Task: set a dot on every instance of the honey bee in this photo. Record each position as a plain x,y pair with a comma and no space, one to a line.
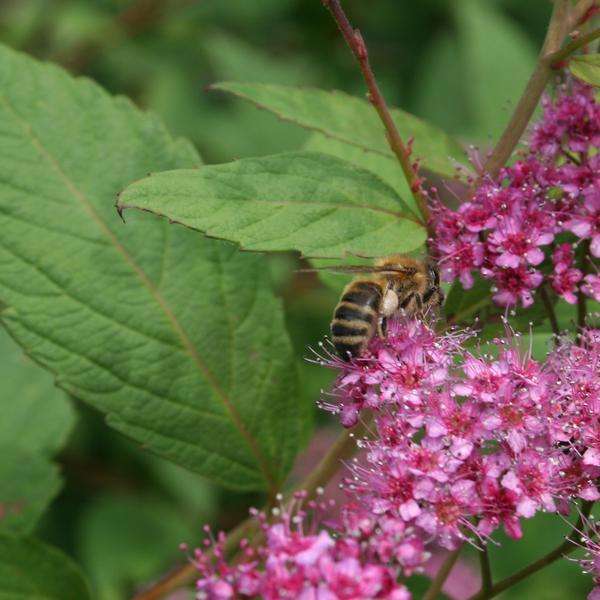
395,284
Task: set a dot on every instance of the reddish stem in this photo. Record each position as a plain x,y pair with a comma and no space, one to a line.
357,44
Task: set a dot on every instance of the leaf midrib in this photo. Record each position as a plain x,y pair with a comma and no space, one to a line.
335,205
154,292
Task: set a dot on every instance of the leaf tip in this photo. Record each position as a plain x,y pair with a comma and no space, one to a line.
120,208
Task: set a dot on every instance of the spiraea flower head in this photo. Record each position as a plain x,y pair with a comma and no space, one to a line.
508,229
464,443
297,560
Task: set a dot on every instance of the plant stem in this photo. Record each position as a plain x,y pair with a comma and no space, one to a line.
577,43
486,570
358,47
183,575
564,18
581,297
533,90
438,582
342,449
566,547
550,310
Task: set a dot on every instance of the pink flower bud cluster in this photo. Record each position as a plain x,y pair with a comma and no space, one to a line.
296,561
464,444
536,210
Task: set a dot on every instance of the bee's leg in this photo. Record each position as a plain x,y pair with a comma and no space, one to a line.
407,304
433,298
419,303
412,304
389,304
381,327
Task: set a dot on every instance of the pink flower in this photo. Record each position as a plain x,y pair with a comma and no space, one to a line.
590,563
591,287
295,562
461,256
586,222
502,230
571,122
515,242
484,441
517,284
565,278
484,380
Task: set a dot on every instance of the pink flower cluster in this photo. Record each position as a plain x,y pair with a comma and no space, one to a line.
589,540
464,444
461,445
529,212
296,561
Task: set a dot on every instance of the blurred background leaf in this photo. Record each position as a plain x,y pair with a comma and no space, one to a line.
30,570
126,538
36,415
36,420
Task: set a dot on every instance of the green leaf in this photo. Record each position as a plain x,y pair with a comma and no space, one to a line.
305,201
587,68
384,167
462,305
36,420
178,339
351,120
36,415
28,483
498,59
30,570
127,540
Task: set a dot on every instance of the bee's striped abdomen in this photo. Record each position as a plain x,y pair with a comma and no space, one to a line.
355,318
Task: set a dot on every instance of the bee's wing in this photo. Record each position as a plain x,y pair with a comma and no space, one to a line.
359,269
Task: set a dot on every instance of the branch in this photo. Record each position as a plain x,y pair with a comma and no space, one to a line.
438,582
486,570
563,20
183,575
576,44
358,47
343,448
550,310
581,297
566,547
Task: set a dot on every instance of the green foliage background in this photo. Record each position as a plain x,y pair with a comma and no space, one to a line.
460,64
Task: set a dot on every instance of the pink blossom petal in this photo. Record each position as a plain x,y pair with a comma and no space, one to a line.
535,256
526,507
579,227
516,441
592,457
589,492
318,548
511,482
506,259
512,526
461,448
409,510
595,246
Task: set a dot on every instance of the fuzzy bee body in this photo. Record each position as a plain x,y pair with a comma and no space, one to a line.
396,284
356,317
